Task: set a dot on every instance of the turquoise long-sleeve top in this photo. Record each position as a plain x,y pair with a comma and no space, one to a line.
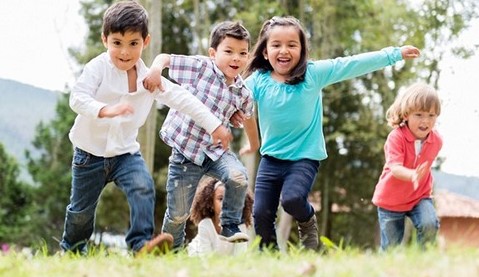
291,116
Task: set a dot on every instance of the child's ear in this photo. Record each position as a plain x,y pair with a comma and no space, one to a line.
104,40
265,54
146,41
212,52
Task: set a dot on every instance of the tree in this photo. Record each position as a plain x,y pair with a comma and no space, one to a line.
51,172
16,222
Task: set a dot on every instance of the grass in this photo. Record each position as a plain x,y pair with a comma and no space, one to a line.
407,261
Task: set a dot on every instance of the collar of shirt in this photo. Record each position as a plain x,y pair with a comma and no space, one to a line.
238,82
411,138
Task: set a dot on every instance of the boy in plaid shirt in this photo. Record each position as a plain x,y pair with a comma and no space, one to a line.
216,82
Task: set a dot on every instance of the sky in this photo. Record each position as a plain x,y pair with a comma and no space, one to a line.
36,36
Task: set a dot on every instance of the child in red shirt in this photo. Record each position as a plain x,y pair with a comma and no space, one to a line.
405,186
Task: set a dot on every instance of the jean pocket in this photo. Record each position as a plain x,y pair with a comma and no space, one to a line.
80,157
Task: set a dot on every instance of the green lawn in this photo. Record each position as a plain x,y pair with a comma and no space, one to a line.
400,262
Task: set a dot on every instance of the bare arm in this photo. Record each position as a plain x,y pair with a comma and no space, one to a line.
251,130
408,174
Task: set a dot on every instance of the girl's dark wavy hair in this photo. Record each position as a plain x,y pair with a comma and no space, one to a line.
258,62
203,203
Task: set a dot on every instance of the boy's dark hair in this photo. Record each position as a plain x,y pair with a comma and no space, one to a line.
228,29
125,16
258,62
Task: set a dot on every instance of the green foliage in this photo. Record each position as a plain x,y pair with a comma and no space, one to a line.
15,203
92,11
51,171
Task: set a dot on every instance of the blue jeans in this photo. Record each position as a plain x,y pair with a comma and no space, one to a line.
183,178
90,174
423,217
288,181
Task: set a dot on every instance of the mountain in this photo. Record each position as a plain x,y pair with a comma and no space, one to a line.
462,185
22,108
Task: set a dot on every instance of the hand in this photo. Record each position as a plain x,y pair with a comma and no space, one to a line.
222,136
419,174
237,119
115,110
152,80
409,52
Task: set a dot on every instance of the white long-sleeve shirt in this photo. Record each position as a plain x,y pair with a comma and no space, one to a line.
207,241
101,84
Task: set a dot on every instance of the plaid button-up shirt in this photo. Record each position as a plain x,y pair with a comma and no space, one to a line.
201,76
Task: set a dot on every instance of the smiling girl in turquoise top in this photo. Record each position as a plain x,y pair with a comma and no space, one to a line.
287,89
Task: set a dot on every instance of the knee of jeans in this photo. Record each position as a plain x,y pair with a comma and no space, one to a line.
239,178
429,225
80,217
291,203
179,219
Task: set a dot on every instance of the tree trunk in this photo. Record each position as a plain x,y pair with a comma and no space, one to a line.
149,132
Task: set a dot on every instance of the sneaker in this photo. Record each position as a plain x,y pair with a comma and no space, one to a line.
308,233
232,233
161,243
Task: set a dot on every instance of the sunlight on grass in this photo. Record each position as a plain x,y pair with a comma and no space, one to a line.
406,261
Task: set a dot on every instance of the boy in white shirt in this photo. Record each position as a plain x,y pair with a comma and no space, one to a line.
112,105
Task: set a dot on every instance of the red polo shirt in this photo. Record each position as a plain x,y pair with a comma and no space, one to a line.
397,195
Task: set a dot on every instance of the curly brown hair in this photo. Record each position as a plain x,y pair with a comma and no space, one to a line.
203,203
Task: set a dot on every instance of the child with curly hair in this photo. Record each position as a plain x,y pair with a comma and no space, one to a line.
405,186
205,213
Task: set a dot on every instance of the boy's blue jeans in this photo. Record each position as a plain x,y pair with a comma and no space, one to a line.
423,217
183,178
90,174
288,181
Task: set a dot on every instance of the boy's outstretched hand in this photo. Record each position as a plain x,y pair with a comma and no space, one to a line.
419,173
409,52
152,80
222,136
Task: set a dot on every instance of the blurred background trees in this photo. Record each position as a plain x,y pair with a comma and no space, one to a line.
353,110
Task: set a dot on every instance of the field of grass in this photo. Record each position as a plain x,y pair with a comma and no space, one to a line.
408,261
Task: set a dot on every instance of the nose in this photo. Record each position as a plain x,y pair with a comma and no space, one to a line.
283,49
124,51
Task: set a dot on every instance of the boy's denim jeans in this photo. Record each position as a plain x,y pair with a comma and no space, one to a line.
288,181
183,178
423,217
90,176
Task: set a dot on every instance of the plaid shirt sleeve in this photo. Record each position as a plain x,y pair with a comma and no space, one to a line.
186,69
248,104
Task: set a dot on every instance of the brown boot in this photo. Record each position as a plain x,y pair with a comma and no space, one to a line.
308,233
161,243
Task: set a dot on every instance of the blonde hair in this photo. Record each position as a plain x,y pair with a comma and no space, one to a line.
417,97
